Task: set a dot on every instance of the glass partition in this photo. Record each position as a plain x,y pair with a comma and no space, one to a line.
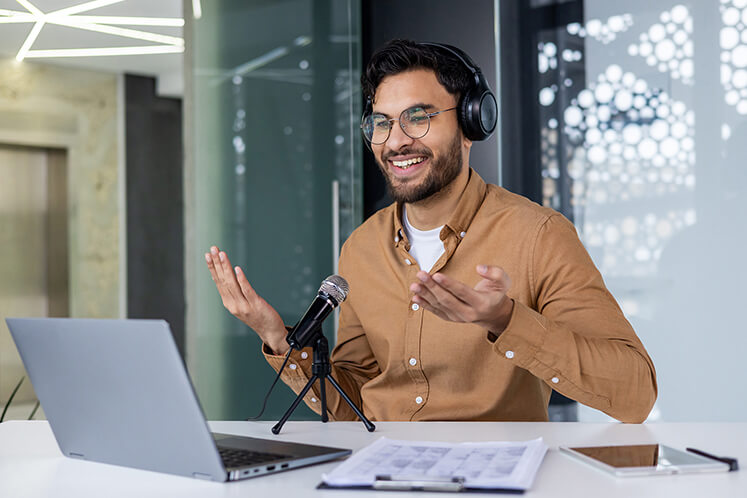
643,120
273,104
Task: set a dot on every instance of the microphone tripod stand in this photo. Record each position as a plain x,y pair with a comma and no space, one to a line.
320,368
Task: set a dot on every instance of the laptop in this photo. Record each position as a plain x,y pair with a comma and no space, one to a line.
117,392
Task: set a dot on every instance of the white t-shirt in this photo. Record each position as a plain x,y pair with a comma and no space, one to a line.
425,246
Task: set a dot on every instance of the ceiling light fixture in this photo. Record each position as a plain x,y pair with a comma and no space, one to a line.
130,21
94,52
101,24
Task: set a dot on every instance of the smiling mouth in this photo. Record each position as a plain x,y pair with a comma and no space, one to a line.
409,162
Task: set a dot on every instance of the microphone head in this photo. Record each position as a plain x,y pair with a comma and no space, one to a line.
336,287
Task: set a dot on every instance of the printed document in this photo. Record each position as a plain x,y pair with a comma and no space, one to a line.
497,464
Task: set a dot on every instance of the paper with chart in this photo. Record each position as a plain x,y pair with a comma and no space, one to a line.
497,464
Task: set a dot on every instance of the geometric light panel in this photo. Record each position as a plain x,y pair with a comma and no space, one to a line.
667,44
733,41
69,17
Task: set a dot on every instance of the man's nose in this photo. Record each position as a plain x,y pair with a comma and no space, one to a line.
397,137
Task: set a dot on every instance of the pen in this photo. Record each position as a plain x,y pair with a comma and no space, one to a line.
732,462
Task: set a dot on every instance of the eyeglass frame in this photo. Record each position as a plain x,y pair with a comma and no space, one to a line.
428,115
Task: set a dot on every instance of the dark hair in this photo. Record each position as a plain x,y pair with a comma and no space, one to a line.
398,56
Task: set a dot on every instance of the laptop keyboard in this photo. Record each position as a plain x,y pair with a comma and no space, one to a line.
233,457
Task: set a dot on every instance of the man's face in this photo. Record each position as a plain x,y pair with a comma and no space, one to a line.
415,169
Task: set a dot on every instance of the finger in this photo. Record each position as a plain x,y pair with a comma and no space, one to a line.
232,285
216,270
211,266
439,312
495,274
425,299
457,288
225,262
214,256
424,293
246,288
442,299
444,295
226,280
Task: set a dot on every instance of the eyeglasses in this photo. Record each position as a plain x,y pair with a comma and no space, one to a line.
415,123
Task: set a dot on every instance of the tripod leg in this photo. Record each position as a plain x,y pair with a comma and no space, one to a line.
369,426
323,392
276,428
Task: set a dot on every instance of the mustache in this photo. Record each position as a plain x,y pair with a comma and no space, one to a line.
407,151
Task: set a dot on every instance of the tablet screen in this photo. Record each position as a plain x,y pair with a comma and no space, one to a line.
642,455
654,456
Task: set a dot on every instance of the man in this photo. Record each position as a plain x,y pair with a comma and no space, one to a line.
467,302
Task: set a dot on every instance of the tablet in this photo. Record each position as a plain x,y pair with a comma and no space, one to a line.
644,460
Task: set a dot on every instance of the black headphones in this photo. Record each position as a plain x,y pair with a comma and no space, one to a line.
477,109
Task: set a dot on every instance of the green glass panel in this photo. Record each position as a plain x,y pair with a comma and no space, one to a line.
275,105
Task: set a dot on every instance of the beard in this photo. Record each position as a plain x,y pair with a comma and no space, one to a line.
442,172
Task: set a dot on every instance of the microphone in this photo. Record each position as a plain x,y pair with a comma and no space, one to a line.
333,291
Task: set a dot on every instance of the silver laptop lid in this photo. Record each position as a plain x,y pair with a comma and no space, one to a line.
117,391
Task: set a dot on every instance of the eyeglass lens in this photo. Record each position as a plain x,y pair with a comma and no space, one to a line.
415,122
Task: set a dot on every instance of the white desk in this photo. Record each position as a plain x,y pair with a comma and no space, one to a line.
31,464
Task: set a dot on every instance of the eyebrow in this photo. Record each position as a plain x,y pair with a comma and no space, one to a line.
423,105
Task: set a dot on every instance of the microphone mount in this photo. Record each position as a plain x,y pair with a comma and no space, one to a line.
321,370
308,332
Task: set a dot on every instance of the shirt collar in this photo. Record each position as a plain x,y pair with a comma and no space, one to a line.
469,203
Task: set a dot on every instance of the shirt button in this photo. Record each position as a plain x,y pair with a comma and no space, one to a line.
462,234
408,262
509,354
413,361
304,355
415,307
292,366
313,400
555,380
418,400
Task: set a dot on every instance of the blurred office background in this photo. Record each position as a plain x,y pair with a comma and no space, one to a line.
129,146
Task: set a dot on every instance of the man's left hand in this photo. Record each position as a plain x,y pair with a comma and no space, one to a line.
486,305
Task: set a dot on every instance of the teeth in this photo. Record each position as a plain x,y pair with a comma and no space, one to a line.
406,164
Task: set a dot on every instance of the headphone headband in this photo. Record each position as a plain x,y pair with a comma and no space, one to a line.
478,109
468,63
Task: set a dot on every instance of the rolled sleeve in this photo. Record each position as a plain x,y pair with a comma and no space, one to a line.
297,372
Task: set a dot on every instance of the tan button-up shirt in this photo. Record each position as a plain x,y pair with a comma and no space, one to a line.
400,362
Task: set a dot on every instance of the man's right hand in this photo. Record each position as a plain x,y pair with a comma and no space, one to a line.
244,303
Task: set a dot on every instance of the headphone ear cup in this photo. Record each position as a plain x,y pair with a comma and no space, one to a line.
463,110
488,113
469,116
478,113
